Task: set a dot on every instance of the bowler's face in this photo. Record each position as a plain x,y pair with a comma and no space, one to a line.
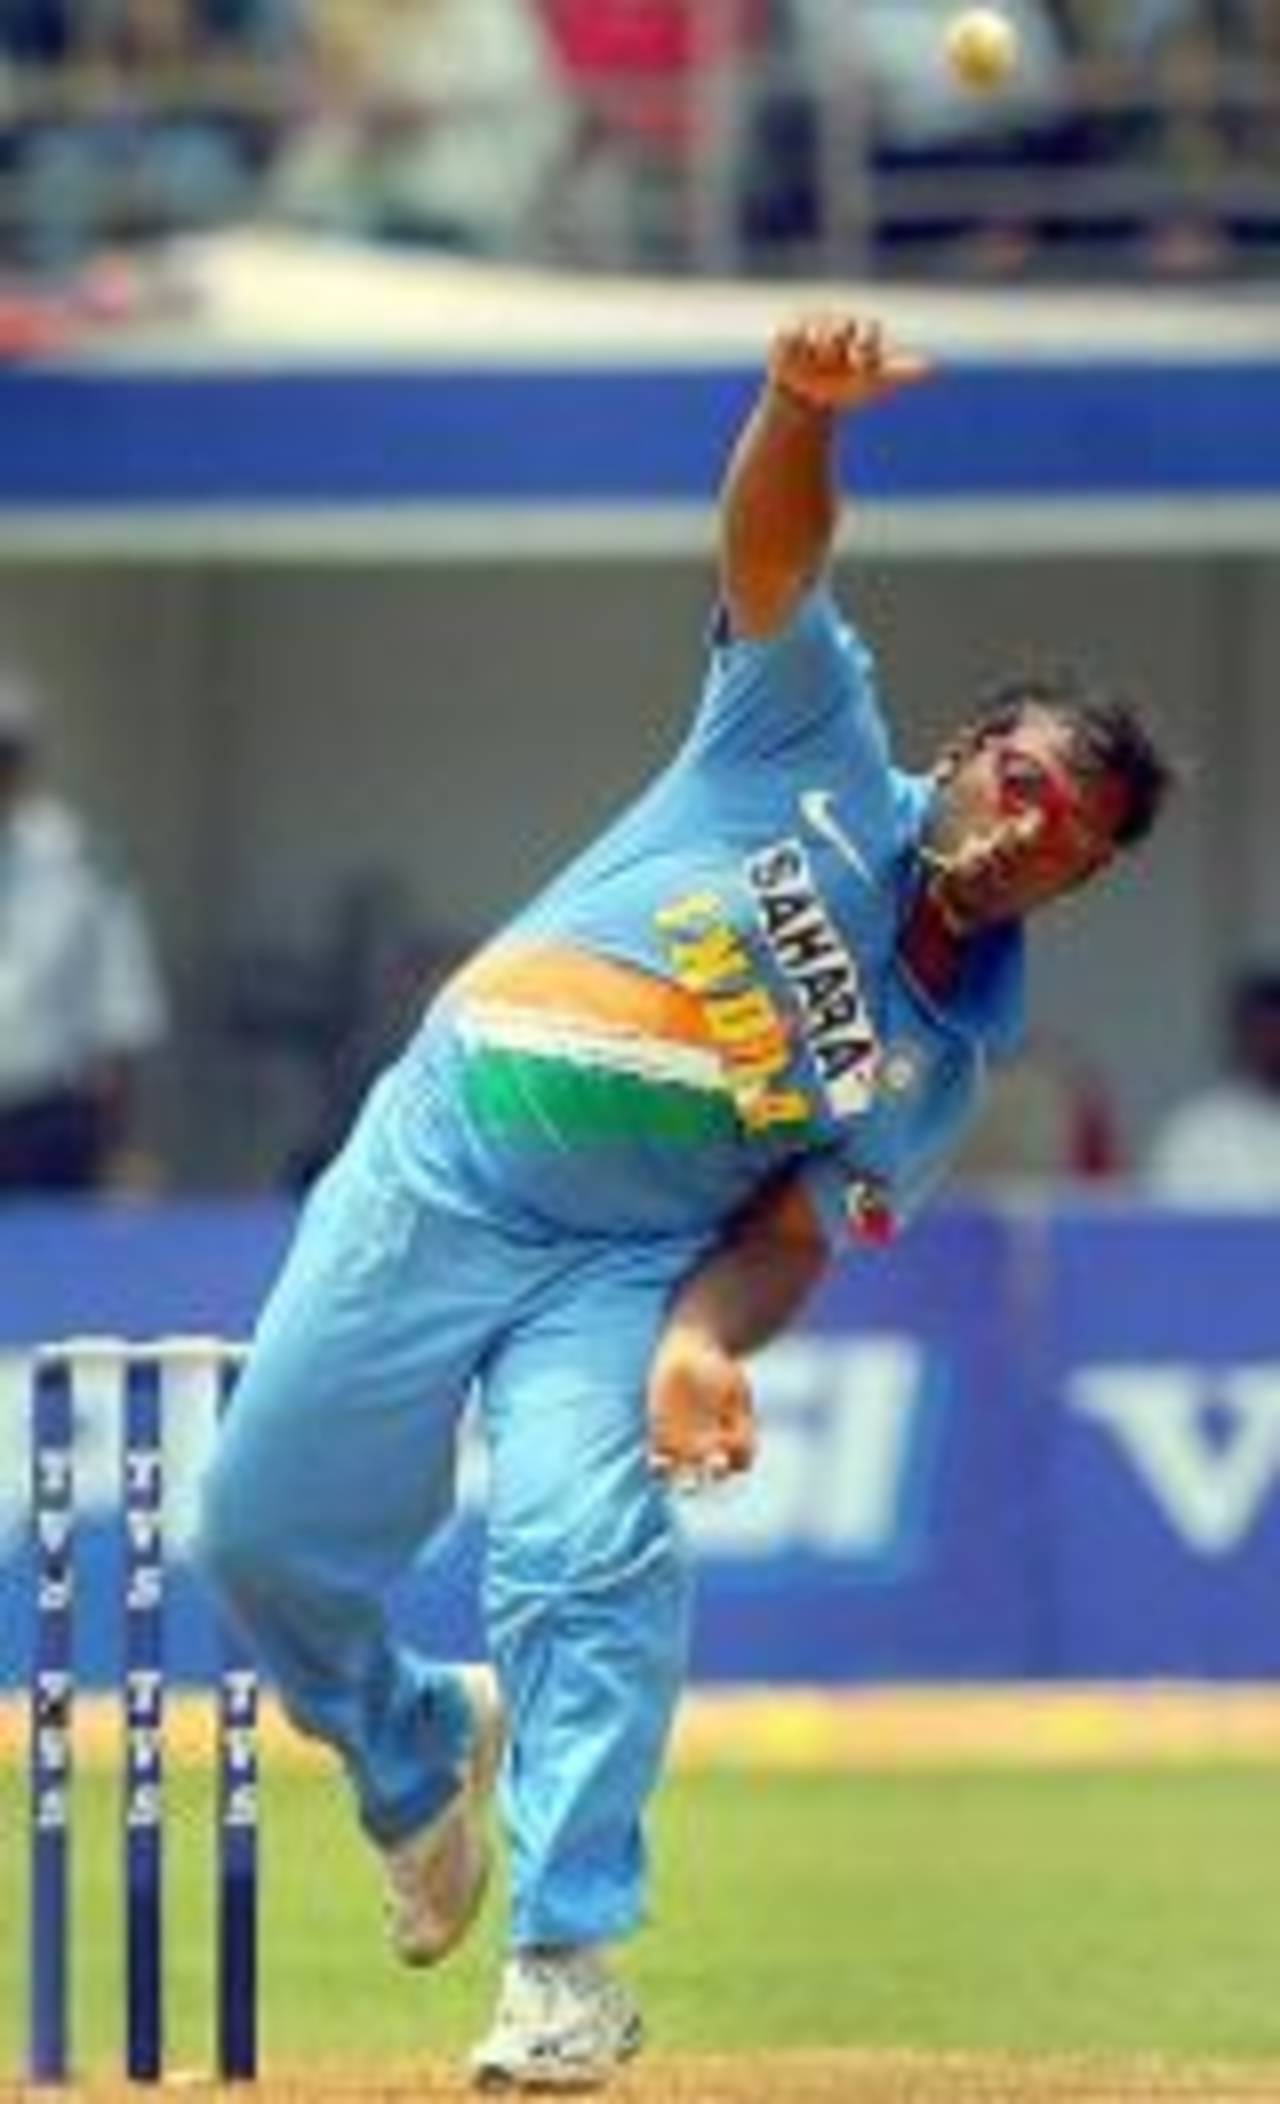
1017,824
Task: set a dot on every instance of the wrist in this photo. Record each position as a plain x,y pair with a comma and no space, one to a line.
689,1334
793,402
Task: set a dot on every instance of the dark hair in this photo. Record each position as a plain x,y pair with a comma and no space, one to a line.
1108,738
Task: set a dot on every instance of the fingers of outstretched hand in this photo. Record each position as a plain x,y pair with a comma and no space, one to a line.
840,358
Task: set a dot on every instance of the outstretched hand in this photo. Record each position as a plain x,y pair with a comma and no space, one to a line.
835,361
701,1416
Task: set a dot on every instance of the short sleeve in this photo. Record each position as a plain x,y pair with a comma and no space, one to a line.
771,698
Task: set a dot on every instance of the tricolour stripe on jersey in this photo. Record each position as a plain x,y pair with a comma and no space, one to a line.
540,1096
583,1048
551,1034
592,989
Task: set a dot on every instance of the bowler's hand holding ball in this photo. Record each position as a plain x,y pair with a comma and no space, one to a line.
701,1418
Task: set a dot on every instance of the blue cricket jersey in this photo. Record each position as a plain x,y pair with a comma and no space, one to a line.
713,992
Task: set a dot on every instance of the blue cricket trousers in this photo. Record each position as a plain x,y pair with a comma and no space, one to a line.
336,1465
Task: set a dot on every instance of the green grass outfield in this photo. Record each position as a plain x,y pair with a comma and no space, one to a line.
1086,1910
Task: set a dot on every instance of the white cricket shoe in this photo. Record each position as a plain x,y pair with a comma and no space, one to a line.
435,1881
563,2023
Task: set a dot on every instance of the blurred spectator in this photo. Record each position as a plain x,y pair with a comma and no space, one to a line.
1150,79
1215,127
433,121
80,998
1167,109
151,118
662,91
1176,119
872,81
1222,1146
35,38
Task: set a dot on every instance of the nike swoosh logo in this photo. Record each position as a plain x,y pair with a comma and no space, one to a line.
816,809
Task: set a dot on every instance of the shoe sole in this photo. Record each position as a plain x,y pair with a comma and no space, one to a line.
479,1776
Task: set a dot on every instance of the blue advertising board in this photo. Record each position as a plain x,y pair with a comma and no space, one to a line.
1016,1445
1161,1385
882,1533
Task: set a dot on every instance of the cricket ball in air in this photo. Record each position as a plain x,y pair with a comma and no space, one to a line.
982,47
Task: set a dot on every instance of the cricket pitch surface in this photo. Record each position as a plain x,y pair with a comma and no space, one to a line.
835,2077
